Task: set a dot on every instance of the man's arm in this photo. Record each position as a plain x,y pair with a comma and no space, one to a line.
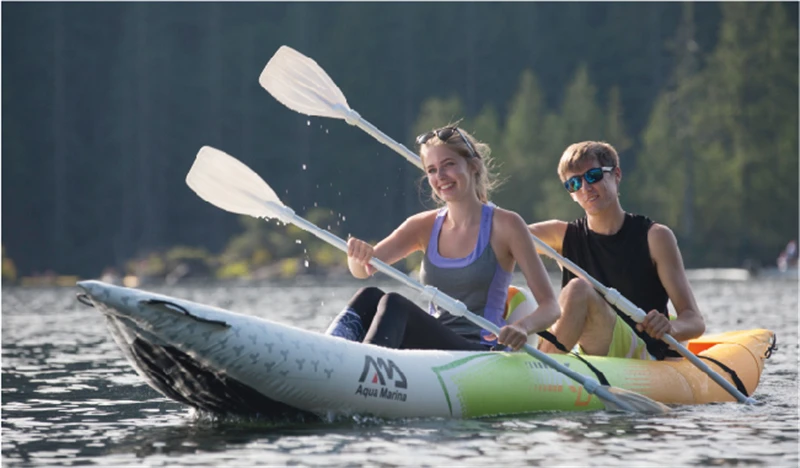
551,232
669,264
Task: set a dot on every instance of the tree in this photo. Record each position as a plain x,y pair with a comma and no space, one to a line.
579,118
722,145
522,157
752,82
666,163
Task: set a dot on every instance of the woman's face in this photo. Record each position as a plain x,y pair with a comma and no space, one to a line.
450,175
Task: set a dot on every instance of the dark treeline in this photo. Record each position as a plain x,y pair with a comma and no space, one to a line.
106,104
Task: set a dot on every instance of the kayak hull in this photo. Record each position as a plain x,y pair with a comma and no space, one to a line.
224,362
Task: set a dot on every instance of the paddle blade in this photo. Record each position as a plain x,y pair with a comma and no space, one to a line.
227,183
303,86
638,403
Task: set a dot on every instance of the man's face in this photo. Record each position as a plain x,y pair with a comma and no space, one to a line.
597,197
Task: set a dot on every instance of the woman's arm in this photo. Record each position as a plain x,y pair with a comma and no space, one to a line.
406,239
516,236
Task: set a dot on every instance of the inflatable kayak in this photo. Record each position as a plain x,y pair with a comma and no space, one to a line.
229,363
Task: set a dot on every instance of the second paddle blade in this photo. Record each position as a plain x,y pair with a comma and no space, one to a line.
301,85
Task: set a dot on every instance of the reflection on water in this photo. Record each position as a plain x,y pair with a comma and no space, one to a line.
70,397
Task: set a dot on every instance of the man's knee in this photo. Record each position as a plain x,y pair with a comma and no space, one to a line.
580,291
573,298
577,288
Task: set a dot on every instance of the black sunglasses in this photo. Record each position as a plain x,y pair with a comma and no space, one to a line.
592,176
444,134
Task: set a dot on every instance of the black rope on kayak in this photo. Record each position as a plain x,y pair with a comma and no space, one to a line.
84,299
554,341
773,346
736,380
178,308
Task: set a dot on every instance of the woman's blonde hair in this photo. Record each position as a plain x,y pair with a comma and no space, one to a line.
485,179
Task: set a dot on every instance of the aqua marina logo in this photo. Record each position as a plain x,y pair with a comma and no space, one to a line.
381,372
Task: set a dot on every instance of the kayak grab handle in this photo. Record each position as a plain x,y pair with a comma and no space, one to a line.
83,298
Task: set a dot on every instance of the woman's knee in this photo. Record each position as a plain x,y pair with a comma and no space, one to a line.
394,301
366,298
365,302
369,292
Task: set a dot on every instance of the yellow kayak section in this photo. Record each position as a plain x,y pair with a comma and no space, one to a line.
479,386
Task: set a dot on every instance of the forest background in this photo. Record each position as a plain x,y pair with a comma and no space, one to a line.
106,104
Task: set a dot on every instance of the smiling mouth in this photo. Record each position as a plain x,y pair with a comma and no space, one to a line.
447,186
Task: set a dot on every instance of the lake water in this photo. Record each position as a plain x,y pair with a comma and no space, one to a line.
69,397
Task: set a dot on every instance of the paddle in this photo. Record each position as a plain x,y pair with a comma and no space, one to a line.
303,86
227,183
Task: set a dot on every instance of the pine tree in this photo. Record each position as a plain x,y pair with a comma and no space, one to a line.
752,78
579,119
521,149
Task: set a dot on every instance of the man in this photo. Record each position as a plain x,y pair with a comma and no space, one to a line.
624,251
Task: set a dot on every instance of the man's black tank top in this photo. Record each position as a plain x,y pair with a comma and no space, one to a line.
621,261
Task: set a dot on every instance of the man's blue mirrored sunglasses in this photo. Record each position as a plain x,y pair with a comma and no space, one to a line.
592,176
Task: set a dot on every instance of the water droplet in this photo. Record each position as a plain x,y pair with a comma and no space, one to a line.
344,218
304,167
308,123
315,203
306,263
298,241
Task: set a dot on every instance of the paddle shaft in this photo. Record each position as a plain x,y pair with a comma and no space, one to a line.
455,307
353,118
613,296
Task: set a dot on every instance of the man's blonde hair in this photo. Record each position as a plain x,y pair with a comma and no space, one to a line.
577,153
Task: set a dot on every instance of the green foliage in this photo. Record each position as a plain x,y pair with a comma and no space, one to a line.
281,249
101,158
615,123
436,112
522,150
151,265
9,269
721,145
234,270
179,253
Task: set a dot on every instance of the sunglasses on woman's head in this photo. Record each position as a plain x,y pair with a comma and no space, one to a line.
444,134
592,176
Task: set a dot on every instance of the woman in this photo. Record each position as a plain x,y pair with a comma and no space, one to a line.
471,248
